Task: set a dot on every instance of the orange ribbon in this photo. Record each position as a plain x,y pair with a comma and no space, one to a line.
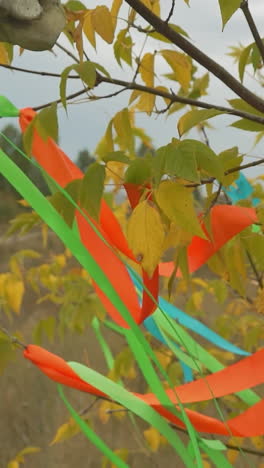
245,374
55,162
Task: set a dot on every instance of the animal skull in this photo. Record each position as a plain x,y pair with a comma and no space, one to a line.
31,24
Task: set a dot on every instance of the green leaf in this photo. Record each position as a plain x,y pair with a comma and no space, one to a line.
194,117
92,188
207,161
63,83
47,122
45,326
87,72
176,201
248,125
75,5
122,125
7,352
180,161
138,172
243,106
228,8
243,60
123,47
118,156
229,159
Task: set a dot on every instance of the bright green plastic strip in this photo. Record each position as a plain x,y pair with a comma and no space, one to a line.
143,346
105,285
134,404
175,330
104,346
217,457
74,251
91,435
194,437
48,213
7,109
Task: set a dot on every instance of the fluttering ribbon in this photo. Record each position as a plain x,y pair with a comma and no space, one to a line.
229,220
245,374
57,165
240,190
226,222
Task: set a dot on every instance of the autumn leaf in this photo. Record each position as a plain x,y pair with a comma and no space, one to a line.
146,235
176,201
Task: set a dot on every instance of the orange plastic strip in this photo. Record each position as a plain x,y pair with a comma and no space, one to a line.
55,162
226,222
240,376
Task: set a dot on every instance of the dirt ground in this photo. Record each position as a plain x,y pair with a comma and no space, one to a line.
30,408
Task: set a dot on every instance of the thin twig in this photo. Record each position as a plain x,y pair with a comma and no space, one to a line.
13,339
210,180
184,431
172,97
215,68
254,268
253,28
35,72
170,12
68,52
129,86
89,407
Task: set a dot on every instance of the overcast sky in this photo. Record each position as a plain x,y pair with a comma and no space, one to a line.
85,123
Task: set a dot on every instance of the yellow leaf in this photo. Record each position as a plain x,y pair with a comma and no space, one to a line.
164,90
4,58
176,201
146,103
153,5
152,437
146,235
122,125
164,359
105,409
27,450
102,23
20,456
258,442
232,456
88,28
146,69
206,464
114,11
180,65
13,464
66,431
121,453
14,290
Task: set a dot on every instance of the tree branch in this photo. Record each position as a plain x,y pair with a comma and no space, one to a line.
221,73
253,28
145,89
210,180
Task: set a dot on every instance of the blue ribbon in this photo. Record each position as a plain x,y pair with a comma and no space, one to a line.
241,190
187,321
